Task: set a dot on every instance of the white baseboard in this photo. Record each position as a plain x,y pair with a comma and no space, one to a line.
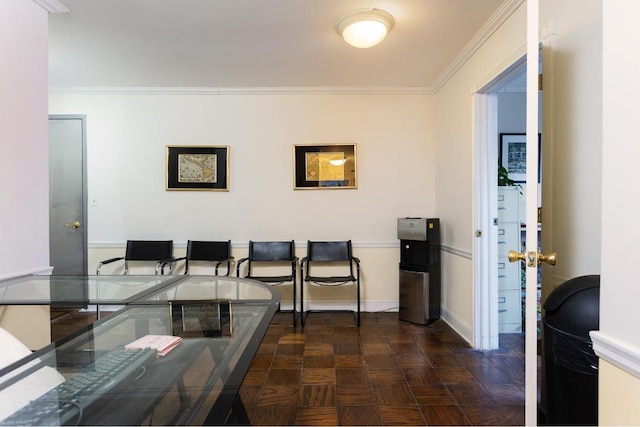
457,324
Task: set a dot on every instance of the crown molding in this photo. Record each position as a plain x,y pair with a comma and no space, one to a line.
497,19
52,6
239,90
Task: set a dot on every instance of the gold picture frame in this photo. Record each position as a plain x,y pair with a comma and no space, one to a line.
204,168
324,166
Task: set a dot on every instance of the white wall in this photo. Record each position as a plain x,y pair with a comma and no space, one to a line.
24,217
454,199
126,138
618,341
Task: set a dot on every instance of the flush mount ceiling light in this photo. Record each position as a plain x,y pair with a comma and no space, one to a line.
365,27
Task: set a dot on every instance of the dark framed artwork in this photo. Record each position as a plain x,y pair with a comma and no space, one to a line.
324,166
513,155
197,168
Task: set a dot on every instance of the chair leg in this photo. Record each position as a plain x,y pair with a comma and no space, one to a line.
294,303
358,297
302,303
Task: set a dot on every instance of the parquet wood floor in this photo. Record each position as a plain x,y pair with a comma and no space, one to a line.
387,372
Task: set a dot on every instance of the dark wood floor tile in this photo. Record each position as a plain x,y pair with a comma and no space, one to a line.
381,361
412,360
317,328
471,393
317,416
489,374
346,348
401,416
507,394
322,361
444,415
359,416
261,361
487,415
256,377
516,413
272,415
292,338
267,349
443,360
346,332
455,375
433,395
278,395
250,394
290,349
313,338
405,348
353,376
421,375
372,335
354,395
386,376
376,348
319,376
318,349
393,394
350,361
284,376
286,361
317,395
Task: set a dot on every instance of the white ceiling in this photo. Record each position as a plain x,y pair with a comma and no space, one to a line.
255,43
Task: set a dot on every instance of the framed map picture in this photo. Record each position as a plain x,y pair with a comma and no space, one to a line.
197,168
324,166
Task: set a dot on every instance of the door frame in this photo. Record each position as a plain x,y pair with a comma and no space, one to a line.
485,203
85,196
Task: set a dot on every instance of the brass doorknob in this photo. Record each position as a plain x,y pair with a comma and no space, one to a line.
549,259
533,258
516,256
74,224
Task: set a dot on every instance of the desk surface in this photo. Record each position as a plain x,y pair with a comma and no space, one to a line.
79,290
195,383
125,289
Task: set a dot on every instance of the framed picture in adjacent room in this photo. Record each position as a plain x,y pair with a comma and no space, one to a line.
513,155
197,168
324,166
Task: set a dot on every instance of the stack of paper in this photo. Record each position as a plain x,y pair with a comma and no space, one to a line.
162,343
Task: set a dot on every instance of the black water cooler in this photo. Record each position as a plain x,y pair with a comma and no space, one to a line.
419,270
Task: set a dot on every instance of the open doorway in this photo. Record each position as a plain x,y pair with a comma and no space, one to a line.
500,192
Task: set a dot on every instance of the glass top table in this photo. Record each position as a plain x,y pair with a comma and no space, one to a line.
221,321
80,290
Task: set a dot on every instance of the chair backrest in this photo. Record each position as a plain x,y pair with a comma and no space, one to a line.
148,250
200,250
271,251
329,251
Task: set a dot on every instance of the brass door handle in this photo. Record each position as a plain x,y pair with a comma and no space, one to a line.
533,259
516,256
74,224
549,259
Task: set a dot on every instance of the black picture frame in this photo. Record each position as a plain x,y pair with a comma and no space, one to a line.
513,155
204,168
324,166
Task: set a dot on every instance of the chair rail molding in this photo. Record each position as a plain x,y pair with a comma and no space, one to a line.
616,352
